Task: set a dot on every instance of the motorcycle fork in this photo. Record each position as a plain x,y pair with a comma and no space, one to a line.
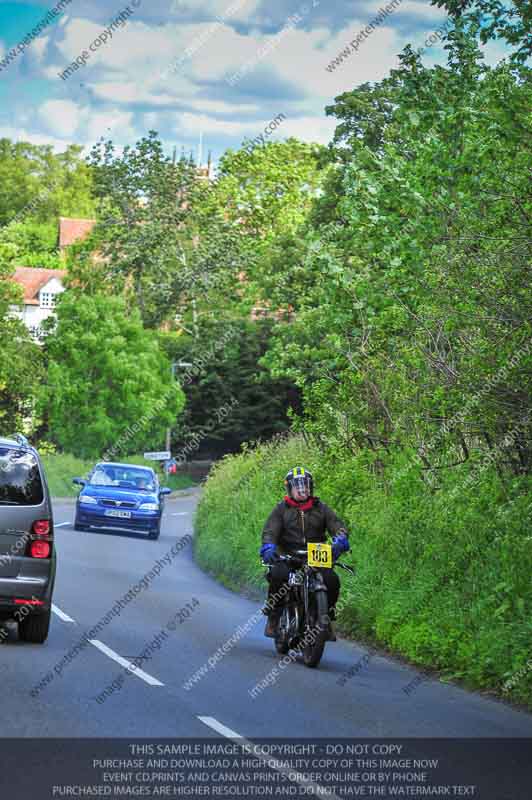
306,594
291,604
318,586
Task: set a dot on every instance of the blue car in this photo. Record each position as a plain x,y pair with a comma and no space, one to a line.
120,496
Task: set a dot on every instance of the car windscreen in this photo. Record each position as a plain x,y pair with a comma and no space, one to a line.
123,477
20,479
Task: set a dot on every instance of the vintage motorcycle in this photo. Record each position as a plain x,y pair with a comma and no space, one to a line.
304,619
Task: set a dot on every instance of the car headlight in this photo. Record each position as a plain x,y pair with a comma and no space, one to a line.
86,498
149,507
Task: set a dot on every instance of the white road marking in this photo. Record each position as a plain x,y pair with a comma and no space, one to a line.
125,663
219,728
62,524
267,757
179,513
61,614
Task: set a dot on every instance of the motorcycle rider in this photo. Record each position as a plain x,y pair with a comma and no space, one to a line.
299,518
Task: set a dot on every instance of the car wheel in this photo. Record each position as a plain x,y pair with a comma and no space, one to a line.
78,526
156,533
34,628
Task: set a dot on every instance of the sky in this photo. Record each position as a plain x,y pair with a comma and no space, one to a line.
216,69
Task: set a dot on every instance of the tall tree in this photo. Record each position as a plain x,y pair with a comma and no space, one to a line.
40,185
146,231
510,21
20,357
109,384
403,327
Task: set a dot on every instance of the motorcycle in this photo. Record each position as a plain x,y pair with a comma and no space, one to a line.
304,619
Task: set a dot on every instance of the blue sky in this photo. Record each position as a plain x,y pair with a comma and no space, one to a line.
129,84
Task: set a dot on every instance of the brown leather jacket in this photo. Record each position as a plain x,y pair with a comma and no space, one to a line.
291,528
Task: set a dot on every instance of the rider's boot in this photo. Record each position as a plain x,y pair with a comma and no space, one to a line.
273,621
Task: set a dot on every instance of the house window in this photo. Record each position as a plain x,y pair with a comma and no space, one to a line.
47,300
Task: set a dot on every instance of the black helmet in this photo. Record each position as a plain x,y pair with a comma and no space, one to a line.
299,477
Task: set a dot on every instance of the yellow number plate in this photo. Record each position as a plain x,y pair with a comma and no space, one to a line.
319,555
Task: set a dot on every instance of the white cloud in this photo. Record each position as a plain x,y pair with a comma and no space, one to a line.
23,134
228,10
109,123
124,95
190,124
422,10
308,129
221,107
313,51
69,121
61,117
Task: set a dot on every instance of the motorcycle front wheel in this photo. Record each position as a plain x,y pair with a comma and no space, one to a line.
281,641
312,652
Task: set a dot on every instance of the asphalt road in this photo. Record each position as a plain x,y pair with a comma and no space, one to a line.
95,570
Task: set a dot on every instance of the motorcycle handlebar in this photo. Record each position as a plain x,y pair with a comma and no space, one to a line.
298,553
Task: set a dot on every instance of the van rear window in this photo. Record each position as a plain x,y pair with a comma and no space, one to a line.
20,479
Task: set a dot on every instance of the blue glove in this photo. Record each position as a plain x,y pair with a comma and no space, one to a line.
267,552
340,544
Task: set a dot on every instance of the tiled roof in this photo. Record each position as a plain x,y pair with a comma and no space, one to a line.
72,230
33,279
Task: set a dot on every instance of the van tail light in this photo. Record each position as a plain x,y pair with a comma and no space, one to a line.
40,549
22,601
41,527
41,539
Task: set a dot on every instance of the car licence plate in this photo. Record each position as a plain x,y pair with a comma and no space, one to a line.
114,512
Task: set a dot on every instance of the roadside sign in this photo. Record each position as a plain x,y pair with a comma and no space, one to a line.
161,455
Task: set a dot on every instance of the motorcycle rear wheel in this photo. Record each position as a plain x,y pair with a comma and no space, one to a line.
312,653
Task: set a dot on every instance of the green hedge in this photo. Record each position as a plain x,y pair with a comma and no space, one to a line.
443,579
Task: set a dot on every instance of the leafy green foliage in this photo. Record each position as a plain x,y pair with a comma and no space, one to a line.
510,21
35,242
40,185
142,239
224,358
20,358
108,384
397,302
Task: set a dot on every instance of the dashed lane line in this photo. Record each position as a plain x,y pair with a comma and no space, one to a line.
139,673
273,763
111,653
61,614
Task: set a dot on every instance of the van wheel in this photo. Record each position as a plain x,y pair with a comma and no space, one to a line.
35,628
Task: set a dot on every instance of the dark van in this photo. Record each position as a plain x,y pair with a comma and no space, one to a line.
27,552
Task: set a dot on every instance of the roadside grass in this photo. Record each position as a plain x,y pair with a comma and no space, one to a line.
60,468
442,578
